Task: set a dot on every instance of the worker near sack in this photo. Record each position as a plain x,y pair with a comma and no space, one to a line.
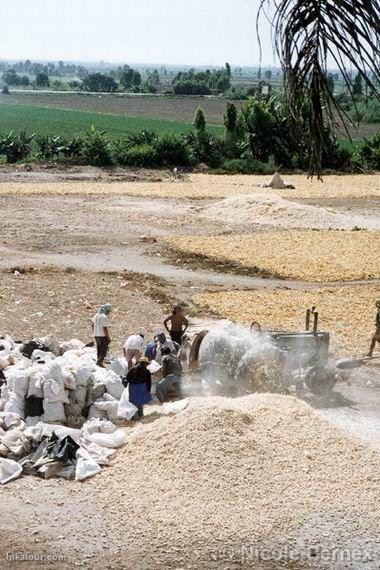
133,348
139,381
164,342
100,330
376,336
171,373
178,324
151,349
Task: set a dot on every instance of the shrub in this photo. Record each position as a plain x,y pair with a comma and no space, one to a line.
72,148
49,146
140,155
207,148
247,166
142,137
16,147
369,153
172,150
96,150
5,90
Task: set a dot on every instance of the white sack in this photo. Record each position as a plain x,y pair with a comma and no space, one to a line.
35,382
42,356
95,413
53,412
9,470
112,440
154,367
118,366
18,381
15,405
109,407
73,344
173,407
96,425
126,410
86,467
52,343
98,453
113,384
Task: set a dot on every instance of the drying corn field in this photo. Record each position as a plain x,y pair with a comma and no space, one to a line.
323,256
347,312
201,186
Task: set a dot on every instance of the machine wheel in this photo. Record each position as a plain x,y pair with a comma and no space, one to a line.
320,379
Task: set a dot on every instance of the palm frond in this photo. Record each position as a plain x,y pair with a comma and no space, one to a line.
311,35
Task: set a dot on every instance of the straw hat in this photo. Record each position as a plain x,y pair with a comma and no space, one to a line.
144,359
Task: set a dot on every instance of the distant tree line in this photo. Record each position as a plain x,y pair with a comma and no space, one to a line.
202,83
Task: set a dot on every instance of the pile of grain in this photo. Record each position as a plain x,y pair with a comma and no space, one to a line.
256,470
321,256
271,209
347,312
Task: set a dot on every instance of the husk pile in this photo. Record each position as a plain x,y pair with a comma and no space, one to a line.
320,256
255,470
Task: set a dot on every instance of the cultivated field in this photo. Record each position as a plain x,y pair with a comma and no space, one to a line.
72,123
170,108
143,111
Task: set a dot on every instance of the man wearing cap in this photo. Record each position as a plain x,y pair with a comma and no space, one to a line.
133,348
376,336
139,381
164,341
100,330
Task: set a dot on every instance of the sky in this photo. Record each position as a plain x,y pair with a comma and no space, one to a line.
193,32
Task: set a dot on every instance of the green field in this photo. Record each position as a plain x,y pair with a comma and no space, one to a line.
69,123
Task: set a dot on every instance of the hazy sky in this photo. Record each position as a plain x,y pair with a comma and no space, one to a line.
135,31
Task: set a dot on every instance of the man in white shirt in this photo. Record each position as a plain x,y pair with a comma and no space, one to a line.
133,348
100,330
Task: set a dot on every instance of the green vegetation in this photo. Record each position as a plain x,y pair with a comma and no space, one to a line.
203,83
258,138
48,121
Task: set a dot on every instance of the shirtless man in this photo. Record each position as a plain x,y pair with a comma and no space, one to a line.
376,336
179,324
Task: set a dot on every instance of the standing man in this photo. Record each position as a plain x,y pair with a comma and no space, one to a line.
133,348
100,330
178,324
376,336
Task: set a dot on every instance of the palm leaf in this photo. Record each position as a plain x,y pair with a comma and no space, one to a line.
311,35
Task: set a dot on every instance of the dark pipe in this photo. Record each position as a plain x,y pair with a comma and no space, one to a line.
308,319
315,326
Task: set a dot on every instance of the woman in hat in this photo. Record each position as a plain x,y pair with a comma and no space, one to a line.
139,381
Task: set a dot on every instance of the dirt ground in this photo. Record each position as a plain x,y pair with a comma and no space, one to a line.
71,241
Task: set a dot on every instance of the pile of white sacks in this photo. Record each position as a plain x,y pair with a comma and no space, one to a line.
62,384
